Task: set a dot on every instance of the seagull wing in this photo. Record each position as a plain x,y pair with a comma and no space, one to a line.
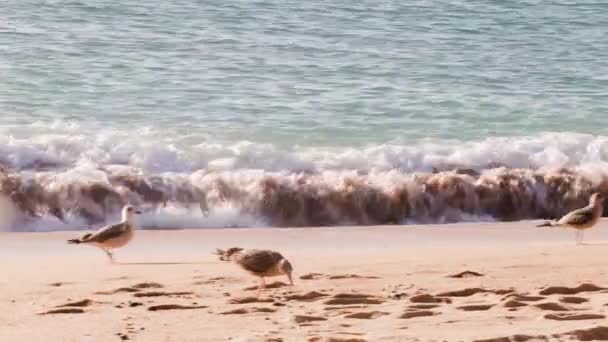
577,217
106,233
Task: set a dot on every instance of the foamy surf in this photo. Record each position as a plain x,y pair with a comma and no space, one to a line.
75,179
155,151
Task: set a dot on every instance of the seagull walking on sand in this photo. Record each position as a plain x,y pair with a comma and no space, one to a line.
113,236
260,263
581,219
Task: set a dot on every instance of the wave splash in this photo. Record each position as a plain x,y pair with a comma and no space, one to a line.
79,176
90,195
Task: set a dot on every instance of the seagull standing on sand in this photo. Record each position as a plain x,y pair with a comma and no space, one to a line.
581,219
113,236
260,263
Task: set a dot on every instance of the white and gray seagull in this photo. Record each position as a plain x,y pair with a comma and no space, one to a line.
113,236
581,219
260,263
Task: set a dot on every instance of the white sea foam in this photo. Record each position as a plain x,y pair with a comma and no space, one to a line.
148,150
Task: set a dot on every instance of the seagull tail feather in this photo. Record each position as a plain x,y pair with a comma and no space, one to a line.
546,224
83,239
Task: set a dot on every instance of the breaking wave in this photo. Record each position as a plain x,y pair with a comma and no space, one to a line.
72,181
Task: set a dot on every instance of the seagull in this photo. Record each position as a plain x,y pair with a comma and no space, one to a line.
260,263
112,236
581,219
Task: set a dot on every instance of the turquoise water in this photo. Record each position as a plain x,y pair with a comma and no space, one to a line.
306,72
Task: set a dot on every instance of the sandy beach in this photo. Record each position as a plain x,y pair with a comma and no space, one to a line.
461,282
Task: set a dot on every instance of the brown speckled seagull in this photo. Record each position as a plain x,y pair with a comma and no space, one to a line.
113,236
260,263
581,219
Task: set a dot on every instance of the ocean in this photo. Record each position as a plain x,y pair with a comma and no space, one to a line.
300,113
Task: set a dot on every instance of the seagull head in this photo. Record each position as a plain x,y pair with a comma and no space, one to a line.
128,212
597,198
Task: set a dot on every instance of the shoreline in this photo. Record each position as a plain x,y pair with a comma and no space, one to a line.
393,265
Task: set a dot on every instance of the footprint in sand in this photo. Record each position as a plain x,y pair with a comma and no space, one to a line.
59,284
243,311
466,274
70,308
123,337
118,290
165,307
335,338
353,299
351,276
551,307
131,330
366,315
592,334
414,314
218,281
563,290
274,285
573,317
63,311
397,295
397,292
514,304
427,298
307,319
423,306
573,300
306,297
523,298
78,304
475,307
134,288
148,285
316,276
162,294
312,276
347,307
471,291
337,313
248,300
516,338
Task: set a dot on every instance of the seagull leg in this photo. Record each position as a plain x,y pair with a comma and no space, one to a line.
109,254
262,286
290,279
578,237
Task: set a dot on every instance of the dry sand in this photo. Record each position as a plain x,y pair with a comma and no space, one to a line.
352,284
